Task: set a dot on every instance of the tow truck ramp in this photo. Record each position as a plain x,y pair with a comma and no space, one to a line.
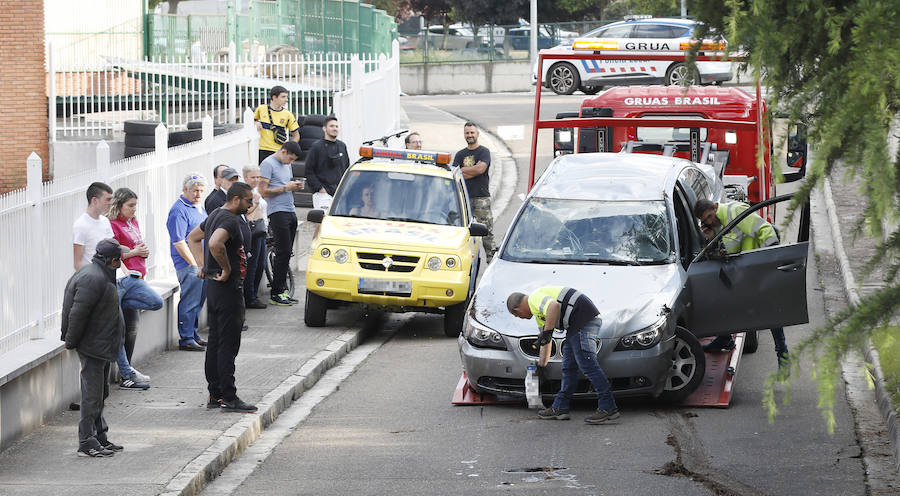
715,390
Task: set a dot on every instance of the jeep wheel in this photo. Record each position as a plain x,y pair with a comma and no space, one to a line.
453,318
688,364
316,308
563,79
679,75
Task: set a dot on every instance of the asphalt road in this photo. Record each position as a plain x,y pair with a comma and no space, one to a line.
389,428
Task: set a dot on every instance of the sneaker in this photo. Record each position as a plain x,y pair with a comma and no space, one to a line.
213,402
100,452
257,304
281,300
238,405
288,297
139,377
715,346
553,414
111,446
602,416
132,384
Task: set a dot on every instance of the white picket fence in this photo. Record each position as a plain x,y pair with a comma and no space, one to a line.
36,222
97,98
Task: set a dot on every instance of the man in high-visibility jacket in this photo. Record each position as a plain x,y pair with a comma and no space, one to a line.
750,234
557,307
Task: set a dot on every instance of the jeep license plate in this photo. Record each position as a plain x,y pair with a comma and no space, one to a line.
367,285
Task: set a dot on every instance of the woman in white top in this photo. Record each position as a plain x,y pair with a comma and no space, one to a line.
256,262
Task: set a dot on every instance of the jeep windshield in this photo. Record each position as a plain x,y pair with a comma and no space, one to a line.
398,196
589,231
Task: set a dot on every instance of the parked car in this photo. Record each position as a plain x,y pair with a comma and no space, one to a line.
620,228
639,36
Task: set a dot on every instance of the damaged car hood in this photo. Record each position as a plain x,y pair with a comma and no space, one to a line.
629,298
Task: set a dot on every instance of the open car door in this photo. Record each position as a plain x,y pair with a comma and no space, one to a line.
757,289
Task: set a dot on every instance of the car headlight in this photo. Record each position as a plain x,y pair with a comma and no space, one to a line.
325,253
482,336
341,256
643,339
434,263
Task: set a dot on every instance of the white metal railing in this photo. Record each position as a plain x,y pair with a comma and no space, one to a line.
36,246
95,99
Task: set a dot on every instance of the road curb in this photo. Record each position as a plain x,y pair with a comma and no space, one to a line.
232,443
873,361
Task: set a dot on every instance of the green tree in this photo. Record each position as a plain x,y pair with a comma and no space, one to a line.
835,64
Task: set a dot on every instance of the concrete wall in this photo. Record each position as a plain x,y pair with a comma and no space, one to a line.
45,379
476,77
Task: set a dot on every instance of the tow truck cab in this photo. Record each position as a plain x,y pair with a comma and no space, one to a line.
731,152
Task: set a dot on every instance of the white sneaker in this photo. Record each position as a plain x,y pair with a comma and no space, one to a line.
139,377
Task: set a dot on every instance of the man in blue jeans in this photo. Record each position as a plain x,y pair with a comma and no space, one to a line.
184,216
557,307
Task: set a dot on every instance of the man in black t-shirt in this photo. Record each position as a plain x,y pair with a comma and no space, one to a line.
224,266
474,160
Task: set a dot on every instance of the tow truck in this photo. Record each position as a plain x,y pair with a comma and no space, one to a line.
720,127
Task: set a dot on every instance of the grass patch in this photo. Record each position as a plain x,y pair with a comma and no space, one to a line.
887,342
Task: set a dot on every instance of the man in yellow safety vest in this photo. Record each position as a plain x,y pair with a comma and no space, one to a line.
751,233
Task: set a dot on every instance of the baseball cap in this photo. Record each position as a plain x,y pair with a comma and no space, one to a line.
109,248
228,173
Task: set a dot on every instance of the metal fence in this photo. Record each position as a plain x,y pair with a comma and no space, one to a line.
490,42
97,99
311,26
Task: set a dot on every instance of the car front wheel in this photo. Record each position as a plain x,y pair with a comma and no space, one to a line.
315,310
563,78
688,364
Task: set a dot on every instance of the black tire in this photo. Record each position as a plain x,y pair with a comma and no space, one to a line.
453,318
591,90
303,199
678,73
199,125
751,342
298,168
306,143
315,120
563,78
270,262
177,138
143,128
687,368
131,151
316,309
140,141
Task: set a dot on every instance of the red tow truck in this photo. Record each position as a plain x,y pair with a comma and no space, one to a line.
725,128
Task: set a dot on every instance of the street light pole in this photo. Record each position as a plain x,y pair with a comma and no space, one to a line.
683,9
533,42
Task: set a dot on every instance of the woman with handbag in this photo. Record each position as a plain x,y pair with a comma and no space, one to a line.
256,264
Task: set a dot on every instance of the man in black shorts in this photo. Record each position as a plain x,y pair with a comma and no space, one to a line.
224,266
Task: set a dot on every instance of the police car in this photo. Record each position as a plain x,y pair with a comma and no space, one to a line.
633,35
399,236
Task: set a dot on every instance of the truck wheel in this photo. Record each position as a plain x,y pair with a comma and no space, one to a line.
679,75
687,367
453,318
563,78
751,341
316,308
591,90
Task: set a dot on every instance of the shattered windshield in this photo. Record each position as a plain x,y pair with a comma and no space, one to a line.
587,231
398,196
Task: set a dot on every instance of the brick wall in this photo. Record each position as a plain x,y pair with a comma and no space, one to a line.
23,90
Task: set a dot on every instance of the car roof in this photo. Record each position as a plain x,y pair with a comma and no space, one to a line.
408,166
656,20
609,177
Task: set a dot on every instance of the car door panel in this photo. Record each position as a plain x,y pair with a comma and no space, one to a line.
757,289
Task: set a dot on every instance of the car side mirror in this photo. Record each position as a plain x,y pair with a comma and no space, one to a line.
797,152
478,229
315,215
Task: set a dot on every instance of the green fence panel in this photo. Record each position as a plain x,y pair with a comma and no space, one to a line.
351,26
313,21
334,30
366,28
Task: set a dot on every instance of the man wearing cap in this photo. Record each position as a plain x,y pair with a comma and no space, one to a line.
224,177
557,307
276,185
92,324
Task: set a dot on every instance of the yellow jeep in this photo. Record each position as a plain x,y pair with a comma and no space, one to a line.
399,235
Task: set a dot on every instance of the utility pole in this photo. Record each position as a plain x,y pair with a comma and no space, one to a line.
533,42
683,9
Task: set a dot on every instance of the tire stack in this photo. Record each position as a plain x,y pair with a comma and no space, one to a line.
140,137
193,133
310,132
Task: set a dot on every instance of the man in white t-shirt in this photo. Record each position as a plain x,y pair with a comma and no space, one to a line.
92,226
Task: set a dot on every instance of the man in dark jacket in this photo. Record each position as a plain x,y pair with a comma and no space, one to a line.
326,162
92,324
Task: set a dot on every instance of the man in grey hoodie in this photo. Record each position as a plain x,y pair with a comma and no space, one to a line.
92,324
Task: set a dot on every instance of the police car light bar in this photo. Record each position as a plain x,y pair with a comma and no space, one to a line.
414,155
589,44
